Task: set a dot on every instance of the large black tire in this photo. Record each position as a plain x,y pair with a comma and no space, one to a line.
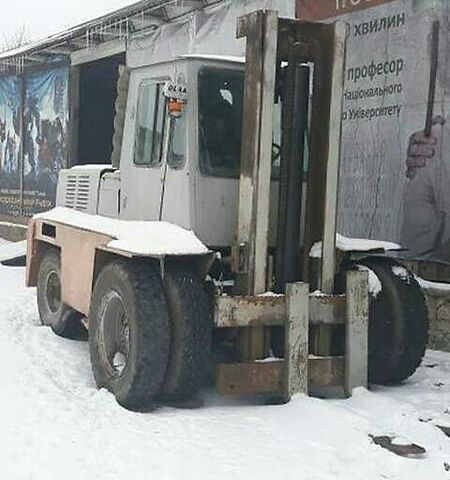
190,310
129,332
62,319
398,322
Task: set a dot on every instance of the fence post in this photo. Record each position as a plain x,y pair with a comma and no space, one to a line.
356,344
296,343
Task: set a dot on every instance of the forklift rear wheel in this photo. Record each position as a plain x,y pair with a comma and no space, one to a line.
129,332
398,321
190,312
62,319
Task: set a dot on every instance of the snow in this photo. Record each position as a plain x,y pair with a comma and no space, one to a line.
136,237
426,284
91,166
346,244
10,224
220,58
375,286
56,425
318,293
8,250
402,273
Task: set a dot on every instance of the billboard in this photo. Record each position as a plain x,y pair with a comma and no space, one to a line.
33,139
10,111
321,9
45,120
395,162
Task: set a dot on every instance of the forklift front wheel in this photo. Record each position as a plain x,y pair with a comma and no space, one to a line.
129,332
191,322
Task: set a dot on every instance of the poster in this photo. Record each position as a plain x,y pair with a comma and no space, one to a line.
10,111
321,9
45,120
394,176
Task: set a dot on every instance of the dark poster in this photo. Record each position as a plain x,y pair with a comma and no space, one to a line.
45,119
320,9
10,104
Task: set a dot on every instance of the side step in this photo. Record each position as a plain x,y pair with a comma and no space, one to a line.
297,311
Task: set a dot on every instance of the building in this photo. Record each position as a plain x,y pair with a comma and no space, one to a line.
58,95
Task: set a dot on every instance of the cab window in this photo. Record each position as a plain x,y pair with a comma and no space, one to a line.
150,120
220,99
220,104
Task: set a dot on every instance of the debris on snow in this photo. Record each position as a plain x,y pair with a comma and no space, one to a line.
398,446
446,430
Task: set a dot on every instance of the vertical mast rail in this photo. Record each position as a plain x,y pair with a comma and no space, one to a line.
261,30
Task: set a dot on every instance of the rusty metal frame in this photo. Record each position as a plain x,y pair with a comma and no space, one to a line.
325,375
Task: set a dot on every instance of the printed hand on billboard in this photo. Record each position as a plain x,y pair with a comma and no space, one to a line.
421,148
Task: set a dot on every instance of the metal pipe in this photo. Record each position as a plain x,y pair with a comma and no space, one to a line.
294,126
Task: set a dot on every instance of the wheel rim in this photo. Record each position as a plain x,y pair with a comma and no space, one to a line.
53,291
114,335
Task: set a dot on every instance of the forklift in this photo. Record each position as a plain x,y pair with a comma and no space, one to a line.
188,259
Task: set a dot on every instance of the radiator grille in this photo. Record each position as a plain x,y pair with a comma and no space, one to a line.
78,189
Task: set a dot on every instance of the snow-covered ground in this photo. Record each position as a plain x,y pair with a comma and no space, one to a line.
54,423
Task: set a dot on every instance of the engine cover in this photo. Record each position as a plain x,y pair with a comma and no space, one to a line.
79,186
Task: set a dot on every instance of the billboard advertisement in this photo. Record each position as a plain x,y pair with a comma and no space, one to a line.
45,120
395,162
10,111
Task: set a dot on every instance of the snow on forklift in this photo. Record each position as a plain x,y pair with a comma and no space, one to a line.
167,255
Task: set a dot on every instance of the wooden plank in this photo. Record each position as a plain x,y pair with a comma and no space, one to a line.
249,378
296,339
321,339
327,309
356,349
265,149
261,29
326,371
327,51
332,164
248,311
326,377
253,310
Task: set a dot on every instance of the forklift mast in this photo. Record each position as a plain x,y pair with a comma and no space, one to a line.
280,55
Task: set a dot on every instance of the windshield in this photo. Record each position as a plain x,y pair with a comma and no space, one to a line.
220,118
220,104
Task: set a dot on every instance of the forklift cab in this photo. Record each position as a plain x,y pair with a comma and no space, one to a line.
185,168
